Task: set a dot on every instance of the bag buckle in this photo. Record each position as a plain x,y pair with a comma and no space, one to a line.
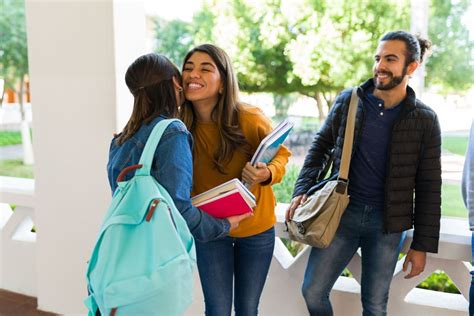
341,186
301,228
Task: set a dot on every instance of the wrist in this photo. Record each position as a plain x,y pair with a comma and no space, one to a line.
268,178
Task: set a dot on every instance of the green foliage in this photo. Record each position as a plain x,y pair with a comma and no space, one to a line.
293,247
15,168
10,138
451,201
315,48
173,39
347,273
284,189
335,41
13,47
439,281
451,65
283,192
455,144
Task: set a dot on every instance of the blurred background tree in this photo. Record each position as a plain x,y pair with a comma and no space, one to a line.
14,62
451,65
13,47
317,48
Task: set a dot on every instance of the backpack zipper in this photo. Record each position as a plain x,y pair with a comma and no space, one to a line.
172,218
152,208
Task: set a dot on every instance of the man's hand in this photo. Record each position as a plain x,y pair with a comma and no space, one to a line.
295,202
236,219
258,174
417,260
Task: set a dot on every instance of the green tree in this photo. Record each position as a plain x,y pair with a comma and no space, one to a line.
335,42
176,37
173,39
14,61
317,48
13,47
451,64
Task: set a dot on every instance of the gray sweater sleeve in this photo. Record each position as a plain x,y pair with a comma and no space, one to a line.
467,185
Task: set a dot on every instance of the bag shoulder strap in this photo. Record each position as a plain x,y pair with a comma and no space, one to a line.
148,153
348,137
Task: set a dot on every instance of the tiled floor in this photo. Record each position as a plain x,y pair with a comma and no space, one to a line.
13,304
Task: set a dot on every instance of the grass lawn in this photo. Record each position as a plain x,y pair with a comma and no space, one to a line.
10,138
452,204
15,168
455,144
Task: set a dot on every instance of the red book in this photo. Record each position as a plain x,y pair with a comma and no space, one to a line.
228,199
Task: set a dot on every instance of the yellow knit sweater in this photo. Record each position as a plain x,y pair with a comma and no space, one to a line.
255,126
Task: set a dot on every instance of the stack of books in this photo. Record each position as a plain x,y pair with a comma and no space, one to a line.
228,199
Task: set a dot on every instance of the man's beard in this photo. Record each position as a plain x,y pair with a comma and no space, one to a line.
395,81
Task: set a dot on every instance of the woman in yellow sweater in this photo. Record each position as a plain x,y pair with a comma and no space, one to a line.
226,134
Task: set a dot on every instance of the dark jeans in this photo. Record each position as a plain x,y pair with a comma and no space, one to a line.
234,267
361,226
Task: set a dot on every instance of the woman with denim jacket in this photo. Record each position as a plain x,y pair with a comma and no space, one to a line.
155,83
226,134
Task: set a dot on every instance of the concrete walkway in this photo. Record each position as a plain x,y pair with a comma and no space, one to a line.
11,152
452,166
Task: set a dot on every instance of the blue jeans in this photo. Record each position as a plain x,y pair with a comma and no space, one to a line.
234,264
361,226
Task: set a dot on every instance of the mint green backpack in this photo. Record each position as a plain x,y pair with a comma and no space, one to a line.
143,260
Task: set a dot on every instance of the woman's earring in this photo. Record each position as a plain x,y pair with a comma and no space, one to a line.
180,89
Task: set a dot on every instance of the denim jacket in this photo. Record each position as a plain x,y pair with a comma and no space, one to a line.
172,168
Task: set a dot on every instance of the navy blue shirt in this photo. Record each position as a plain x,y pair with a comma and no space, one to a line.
369,162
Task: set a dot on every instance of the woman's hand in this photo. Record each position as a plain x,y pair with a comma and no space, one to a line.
236,219
258,174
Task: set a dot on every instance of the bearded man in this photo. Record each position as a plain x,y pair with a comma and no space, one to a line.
394,179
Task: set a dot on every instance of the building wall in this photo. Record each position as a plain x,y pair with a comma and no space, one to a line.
78,51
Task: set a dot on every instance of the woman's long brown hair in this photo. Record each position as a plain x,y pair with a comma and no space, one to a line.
225,113
150,80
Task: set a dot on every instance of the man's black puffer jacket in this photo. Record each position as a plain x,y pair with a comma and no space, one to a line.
413,178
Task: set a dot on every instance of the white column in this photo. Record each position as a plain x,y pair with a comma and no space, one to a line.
78,54
419,25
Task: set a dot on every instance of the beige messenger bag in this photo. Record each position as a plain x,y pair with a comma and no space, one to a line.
315,221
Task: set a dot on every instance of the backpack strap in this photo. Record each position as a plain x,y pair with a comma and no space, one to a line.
148,153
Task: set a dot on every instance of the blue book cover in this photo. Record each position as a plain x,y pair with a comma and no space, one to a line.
271,143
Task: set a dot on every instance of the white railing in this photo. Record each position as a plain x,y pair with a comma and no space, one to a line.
282,293
17,241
